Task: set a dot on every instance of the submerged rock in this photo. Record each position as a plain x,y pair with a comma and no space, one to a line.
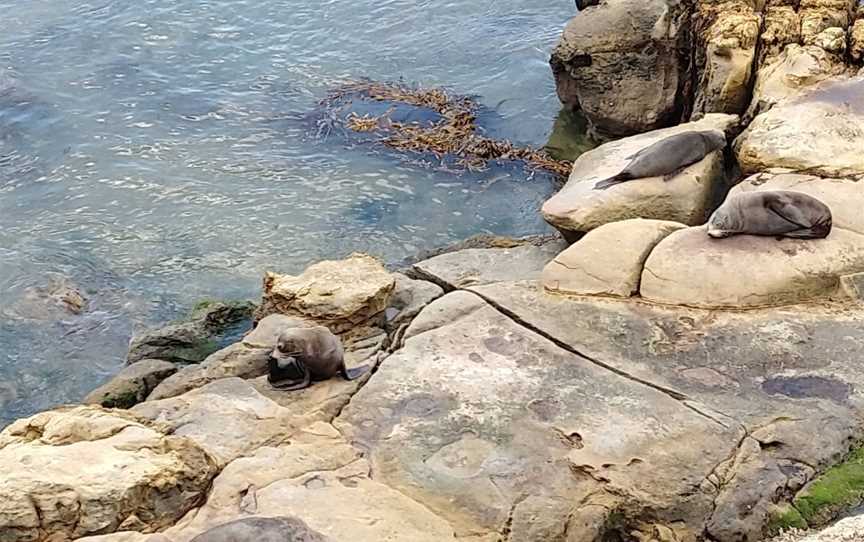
58,298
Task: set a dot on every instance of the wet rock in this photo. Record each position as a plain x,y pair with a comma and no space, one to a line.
482,266
337,294
689,268
608,260
819,132
684,198
73,472
192,341
845,197
261,529
131,385
619,63
477,411
726,56
58,298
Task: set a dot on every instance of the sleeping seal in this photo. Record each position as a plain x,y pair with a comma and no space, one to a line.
303,354
771,212
668,156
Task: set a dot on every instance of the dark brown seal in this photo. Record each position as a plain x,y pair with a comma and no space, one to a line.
304,354
668,156
771,212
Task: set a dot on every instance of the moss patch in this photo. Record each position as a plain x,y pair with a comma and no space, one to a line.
784,519
841,487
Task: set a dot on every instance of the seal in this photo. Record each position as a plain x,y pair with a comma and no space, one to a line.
304,354
668,156
771,212
262,529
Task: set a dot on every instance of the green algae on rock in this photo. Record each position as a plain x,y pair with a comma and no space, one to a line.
840,488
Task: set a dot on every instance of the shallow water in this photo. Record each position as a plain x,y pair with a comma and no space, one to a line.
160,151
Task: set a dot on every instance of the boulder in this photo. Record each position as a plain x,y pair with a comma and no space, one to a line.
622,63
73,472
725,56
262,529
409,298
845,197
131,385
689,268
191,341
819,132
781,27
687,197
856,41
471,267
337,294
608,260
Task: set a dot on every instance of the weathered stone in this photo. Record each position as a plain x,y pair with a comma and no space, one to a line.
476,411
684,198
131,385
689,268
482,266
262,529
337,294
850,529
608,260
73,472
726,56
619,62
856,41
845,197
820,133
409,298
780,28
832,40
192,341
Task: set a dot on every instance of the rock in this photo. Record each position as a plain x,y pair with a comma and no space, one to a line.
260,529
608,260
481,266
131,385
58,298
856,41
320,479
73,472
619,62
725,57
845,197
850,529
685,198
409,298
689,268
781,27
337,294
231,408
476,412
192,341
819,132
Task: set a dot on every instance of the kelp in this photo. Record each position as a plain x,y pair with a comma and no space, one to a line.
454,133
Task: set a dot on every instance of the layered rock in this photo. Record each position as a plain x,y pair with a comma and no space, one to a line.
687,197
608,260
74,472
131,385
619,63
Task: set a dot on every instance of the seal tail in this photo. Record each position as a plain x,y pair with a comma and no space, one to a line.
612,181
355,372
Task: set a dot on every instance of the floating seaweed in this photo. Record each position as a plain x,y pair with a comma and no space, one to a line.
453,134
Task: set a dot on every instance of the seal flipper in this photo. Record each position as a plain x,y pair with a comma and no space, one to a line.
279,379
788,212
613,180
354,372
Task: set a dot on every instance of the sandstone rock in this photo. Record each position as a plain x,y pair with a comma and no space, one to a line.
80,471
845,197
780,28
685,198
475,412
689,268
231,408
131,385
856,41
726,55
850,529
819,132
261,529
608,260
192,341
619,62
337,294
409,298
482,266
832,40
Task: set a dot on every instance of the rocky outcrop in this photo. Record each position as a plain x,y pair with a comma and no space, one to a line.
619,63
131,385
337,294
608,260
687,197
262,529
73,472
191,341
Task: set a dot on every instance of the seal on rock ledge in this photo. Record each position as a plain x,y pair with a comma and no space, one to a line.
303,354
771,212
668,156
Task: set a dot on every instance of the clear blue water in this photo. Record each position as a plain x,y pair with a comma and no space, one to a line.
159,151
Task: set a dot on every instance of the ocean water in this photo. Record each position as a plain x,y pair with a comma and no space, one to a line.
157,152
